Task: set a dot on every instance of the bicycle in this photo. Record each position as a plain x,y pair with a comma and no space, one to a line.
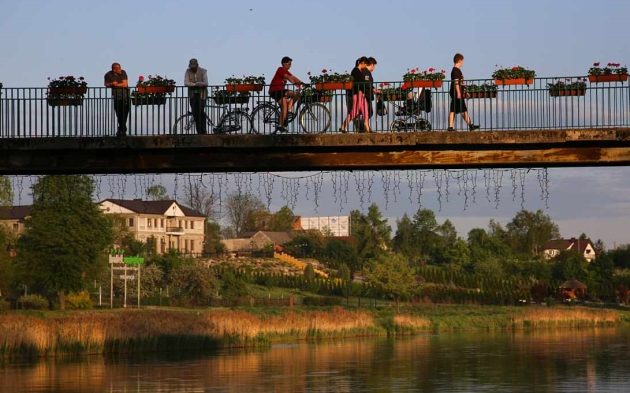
230,121
314,117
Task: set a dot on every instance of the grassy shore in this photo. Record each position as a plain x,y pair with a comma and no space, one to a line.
122,331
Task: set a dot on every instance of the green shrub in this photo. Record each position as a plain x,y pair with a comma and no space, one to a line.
4,305
321,301
79,301
33,302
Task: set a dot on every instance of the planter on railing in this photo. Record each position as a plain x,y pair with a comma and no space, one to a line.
64,101
243,87
155,89
393,97
333,86
422,83
481,94
148,100
55,91
511,82
227,99
608,78
567,92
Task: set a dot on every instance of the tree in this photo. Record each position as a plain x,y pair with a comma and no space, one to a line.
66,236
404,241
309,272
528,232
5,261
570,265
338,253
392,276
212,244
243,212
282,220
6,192
197,197
372,232
194,283
157,192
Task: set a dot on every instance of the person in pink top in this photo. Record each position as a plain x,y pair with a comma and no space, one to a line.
283,96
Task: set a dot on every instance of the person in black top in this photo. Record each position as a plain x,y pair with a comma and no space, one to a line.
117,80
369,88
359,103
458,104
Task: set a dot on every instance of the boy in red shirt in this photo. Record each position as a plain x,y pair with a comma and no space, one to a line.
279,92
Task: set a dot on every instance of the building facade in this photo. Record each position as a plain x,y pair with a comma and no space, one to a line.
12,218
172,225
582,246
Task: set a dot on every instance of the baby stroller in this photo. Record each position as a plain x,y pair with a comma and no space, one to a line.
409,115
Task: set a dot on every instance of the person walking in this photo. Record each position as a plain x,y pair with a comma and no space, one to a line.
458,103
196,79
359,101
116,79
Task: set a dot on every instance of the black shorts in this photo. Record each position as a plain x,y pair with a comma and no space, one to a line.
458,105
277,95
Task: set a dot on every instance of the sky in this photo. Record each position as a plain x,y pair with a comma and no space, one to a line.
42,39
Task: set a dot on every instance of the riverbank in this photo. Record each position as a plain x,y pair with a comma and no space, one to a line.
123,331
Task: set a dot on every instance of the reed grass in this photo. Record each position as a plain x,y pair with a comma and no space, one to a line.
123,331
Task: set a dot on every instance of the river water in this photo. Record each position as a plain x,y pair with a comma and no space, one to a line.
547,361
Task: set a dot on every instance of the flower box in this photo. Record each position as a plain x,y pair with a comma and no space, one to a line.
481,94
227,99
333,86
155,89
511,82
243,87
422,83
148,100
393,97
80,90
608,78
567,92
64,101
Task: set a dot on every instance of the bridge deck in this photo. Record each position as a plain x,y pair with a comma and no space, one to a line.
240,153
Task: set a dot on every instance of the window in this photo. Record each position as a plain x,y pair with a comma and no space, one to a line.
186,224
180,224
192,246
131,222
149,222
192,225
161,223
16,227
155,223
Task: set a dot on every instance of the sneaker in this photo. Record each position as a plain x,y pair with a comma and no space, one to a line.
343,131
450,129
473,127
281,129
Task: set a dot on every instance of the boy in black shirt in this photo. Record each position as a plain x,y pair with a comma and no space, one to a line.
458,104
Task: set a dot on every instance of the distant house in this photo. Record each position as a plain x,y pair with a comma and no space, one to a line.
173,225
582,246
257,241
13,217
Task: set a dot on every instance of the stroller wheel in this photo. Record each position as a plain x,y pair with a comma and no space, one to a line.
398,125
423,125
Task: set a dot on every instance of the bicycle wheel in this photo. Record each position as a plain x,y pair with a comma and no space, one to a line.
315,118
265,118
398,125
237,122
185,124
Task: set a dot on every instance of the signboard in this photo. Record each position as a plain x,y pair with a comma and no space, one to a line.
127,277
115,259
337,225
133,261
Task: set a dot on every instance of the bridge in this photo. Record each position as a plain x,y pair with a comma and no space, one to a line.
521,126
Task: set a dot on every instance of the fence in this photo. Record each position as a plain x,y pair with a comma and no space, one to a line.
35,113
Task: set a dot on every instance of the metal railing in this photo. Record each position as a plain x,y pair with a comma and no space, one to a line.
31,113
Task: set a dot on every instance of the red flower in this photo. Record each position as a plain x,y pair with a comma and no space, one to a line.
308,73
141,78
324,71
431,69
515,68
412,71
596,64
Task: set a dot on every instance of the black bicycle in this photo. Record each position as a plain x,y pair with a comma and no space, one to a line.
314,117
230,121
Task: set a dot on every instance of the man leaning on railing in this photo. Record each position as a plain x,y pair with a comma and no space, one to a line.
117,80
196,79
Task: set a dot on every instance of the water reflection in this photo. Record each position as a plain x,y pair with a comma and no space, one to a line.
591,360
